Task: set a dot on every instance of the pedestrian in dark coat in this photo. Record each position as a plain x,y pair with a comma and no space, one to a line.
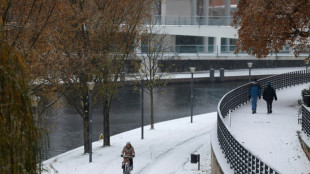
254,94
268,95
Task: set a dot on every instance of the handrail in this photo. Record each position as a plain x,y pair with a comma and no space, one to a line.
190,20
212,49
241,159
305,120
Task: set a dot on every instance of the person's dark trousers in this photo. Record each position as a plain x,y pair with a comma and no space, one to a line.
269,106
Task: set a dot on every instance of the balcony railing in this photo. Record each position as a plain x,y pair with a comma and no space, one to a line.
212,50
189,20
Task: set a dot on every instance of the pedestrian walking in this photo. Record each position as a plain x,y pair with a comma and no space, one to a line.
254,94
268,95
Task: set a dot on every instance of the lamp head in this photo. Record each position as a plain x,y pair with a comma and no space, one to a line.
90,85
192,69
142,76
250,64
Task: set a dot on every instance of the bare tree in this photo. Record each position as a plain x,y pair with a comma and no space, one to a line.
103,36
154,49
128,20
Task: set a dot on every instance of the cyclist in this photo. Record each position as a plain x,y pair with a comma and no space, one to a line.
128,150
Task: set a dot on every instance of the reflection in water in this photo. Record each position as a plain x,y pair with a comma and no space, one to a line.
66,127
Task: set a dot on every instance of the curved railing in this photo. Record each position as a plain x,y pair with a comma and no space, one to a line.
240,159
305,120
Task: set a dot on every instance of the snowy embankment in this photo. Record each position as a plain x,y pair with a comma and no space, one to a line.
228,73
273,137
166,149
239,72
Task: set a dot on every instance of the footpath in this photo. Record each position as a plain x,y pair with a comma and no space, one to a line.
273,137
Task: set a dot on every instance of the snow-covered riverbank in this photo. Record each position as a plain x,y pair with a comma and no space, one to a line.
166,149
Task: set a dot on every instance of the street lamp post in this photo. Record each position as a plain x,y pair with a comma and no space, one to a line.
192,70
142,76
250,64
90,86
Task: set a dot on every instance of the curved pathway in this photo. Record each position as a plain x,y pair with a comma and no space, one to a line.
273,137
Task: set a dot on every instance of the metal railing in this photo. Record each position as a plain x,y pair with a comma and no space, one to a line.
213,50
190,20
242,160
305,120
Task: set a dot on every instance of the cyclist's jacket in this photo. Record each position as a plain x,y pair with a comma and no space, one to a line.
128,151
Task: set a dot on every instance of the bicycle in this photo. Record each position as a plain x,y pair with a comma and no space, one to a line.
127,168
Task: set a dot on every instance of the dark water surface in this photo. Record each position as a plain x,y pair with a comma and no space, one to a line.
66,127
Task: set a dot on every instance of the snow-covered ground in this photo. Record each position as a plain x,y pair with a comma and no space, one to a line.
239,72
166,149
273,137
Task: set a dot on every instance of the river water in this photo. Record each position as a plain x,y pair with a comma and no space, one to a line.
66,127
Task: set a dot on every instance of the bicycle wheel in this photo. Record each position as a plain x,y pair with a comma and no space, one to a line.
127,169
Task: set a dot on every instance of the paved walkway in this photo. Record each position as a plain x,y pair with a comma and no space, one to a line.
273,137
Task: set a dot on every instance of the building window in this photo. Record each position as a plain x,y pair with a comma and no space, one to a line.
189,44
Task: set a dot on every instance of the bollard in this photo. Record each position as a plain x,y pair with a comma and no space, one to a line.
212,79
221,74
195,159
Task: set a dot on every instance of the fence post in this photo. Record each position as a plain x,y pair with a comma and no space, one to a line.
212,79
229,113
198,161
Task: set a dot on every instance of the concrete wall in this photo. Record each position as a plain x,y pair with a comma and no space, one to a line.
304,146
170,42
203,30
183,7
216,168
178,8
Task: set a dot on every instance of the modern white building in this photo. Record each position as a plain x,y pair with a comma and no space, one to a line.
197,26
200,27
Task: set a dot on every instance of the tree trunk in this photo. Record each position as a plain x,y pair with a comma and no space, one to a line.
152,108
86,133
106,120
